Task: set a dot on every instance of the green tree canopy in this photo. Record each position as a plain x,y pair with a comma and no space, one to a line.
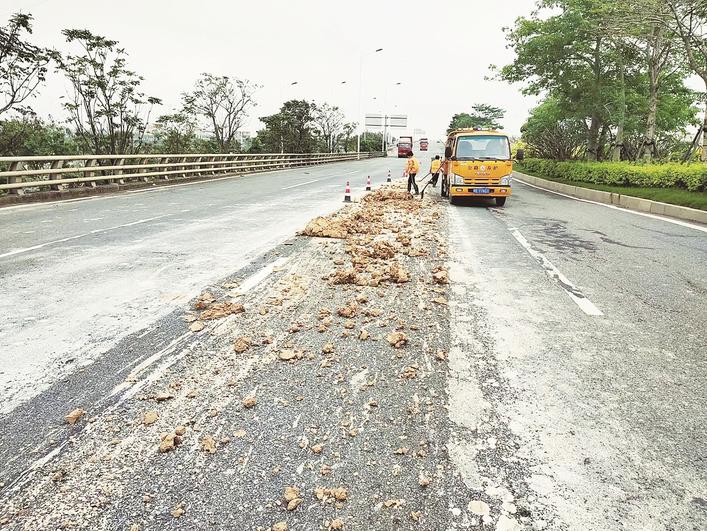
550,133
481,116
22,65
175,133
106,107
291,130
30,136
608,70
222,104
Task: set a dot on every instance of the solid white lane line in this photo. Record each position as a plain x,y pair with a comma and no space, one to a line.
70,238
256,278
577,296
621,209
301,184
131,380
49,203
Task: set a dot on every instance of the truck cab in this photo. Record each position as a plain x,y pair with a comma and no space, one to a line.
424,144
477,163
404,146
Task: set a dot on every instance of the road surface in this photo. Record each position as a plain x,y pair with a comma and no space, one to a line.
573,397
77,276
581,329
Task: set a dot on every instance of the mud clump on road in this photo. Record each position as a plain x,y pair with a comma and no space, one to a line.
221,309
325,228
74,416
366,217
378,231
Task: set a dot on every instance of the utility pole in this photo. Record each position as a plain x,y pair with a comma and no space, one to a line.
385,117
282,140
360,88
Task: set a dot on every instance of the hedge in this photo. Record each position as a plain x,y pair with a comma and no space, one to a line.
692,177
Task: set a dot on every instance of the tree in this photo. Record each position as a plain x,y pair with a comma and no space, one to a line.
482,116
329,122
223,103
30,136
22,65
608,65
566,54
291,130
106,107
348,139
175,133
646,24
550,134
690,20
369,142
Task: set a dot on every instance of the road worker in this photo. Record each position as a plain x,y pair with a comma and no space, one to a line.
434,170
411,170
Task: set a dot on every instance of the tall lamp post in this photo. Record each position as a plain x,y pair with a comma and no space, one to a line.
282,140
360,88
384,143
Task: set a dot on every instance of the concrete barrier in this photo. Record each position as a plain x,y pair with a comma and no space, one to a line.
625,201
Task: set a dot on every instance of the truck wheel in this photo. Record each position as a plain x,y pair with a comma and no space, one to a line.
453,200
444,189
500,201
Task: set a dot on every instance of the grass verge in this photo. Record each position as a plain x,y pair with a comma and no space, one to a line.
674,196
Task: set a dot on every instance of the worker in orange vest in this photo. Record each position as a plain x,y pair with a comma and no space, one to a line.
434,170
411,170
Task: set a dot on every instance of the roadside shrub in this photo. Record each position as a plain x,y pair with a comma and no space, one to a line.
692,177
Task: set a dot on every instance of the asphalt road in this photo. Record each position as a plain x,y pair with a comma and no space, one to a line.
576,383
581,331
77,276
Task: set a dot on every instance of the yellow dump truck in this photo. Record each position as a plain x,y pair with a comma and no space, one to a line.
477,163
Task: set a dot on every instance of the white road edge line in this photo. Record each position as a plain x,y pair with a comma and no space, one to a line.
645,214
257,277
577,296
301,184
70,238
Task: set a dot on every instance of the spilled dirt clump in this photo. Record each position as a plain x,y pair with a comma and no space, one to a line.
385,226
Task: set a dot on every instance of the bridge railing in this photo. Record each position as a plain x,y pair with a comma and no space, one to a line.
19,175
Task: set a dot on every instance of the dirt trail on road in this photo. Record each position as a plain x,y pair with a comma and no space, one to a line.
312,399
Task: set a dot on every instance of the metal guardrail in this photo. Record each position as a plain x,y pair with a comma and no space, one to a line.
23,174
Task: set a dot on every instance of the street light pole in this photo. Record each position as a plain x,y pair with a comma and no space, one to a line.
384,140
331,139
282,141
360,88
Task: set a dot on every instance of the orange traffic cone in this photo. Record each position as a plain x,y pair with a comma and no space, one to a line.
347,193
368,184
389,179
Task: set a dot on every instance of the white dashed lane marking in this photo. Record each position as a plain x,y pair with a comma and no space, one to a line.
575,294
301,184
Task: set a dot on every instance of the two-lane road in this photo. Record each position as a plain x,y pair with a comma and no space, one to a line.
76,276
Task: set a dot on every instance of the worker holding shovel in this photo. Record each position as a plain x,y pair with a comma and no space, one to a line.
434,170
411,170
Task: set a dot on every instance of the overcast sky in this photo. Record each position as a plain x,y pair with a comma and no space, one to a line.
439,51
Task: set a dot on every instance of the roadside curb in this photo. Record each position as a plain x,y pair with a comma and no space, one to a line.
625,201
